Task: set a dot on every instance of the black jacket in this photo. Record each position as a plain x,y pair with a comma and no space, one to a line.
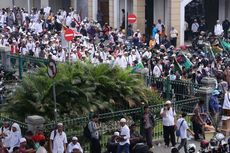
151,119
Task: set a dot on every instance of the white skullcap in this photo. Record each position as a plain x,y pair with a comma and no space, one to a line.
123,120
75,139
168,102
60,124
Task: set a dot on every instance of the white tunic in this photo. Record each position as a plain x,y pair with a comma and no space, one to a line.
218,30
157,70
121,61
58,142
14,140
126,133
5,140
71,146
226,104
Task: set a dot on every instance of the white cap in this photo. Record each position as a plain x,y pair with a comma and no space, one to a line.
168,102
116,133
22,140
75,139
123,120
60,124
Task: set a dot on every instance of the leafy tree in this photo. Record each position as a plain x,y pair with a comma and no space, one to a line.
80,88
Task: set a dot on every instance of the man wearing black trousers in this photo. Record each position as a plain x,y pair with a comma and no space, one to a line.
93,126
168,114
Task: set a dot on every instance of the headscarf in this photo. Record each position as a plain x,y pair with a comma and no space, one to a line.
17,127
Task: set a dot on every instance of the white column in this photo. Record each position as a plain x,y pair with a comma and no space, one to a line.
116,13
227,10
74,4
95,9
167,16
28,5
221,10
182,19
44,3
159,10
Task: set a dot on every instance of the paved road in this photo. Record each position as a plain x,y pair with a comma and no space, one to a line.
162,149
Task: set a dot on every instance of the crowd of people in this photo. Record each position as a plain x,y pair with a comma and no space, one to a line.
40,34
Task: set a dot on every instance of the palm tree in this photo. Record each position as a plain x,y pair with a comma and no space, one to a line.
80,88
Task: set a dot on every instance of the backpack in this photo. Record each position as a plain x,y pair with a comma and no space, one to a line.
87,132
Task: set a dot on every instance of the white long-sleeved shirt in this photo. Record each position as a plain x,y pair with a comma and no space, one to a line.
168,119
226,104
121,61
147,54
126,133
195,27
157,70
218,30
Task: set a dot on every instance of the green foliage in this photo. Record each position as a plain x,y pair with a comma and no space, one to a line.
80,88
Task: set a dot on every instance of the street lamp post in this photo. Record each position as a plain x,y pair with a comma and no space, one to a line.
55,103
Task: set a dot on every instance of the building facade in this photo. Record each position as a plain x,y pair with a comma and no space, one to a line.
171,12
80,5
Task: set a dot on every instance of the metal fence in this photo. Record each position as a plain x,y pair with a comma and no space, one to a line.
172,89
109,122
20,63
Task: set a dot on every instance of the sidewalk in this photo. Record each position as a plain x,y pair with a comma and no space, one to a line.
162,149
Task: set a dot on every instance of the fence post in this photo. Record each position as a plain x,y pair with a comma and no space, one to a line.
20,66
90,115
167,86
142,114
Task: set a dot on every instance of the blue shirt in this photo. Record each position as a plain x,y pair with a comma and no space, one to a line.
214,104
154,31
